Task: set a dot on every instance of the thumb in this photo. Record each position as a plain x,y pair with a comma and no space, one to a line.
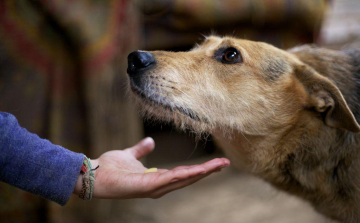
142,148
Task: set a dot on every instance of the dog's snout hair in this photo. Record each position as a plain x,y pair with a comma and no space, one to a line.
290,117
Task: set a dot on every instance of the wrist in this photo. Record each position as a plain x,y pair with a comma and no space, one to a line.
79,181
78,185
94,164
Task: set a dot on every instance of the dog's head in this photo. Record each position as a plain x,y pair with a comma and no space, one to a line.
233,84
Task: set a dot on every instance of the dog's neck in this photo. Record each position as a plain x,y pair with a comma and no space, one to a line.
318,166
248,152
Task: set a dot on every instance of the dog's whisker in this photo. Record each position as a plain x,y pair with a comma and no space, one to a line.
245,138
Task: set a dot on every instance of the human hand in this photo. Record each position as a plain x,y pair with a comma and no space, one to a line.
121,175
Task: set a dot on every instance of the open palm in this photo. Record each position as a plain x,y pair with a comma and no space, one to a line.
121,175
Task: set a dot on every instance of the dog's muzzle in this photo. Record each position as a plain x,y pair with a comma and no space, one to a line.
139,62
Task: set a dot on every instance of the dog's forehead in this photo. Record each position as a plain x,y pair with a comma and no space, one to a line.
212,43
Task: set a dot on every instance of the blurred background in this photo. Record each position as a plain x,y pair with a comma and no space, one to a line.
63,75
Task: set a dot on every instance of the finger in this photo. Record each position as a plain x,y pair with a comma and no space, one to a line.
162,170
176,175
185,172
209,165
183,167
143,148
182,183
215,163
178,185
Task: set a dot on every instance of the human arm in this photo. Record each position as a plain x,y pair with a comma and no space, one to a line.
52,172
34,164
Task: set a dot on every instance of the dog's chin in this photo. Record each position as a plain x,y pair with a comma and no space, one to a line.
152,99
157,107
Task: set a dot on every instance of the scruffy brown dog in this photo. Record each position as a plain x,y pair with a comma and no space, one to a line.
290,117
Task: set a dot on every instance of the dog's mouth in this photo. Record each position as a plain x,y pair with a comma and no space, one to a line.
153,99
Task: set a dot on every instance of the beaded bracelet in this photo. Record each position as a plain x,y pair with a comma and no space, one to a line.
88,180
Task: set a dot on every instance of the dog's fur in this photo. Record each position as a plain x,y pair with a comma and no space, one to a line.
290,117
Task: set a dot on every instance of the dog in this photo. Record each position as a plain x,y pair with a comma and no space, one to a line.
290,117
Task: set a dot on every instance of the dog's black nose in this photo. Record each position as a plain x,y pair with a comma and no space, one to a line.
139,61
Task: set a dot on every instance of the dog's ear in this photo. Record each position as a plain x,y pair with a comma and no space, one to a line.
327,99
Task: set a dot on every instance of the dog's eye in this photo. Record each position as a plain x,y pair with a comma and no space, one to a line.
228,55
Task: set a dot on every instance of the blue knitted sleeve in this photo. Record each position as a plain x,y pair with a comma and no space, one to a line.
36,165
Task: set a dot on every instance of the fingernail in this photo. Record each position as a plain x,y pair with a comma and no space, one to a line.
227,162
147,140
